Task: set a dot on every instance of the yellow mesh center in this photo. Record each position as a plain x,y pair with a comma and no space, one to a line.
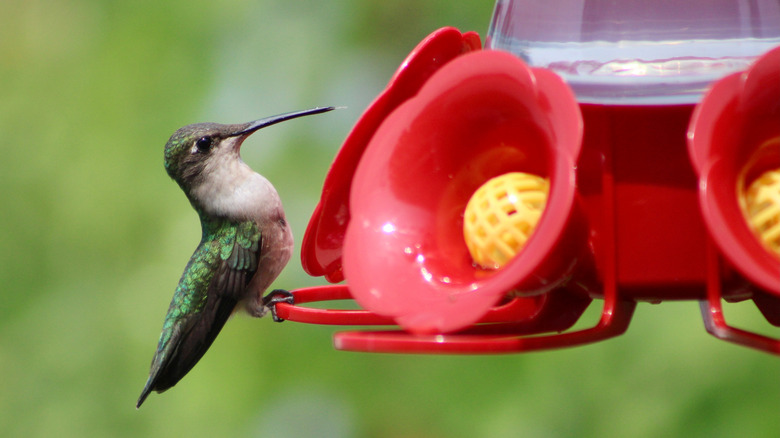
762,201
501,215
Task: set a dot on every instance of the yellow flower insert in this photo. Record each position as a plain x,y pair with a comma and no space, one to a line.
501,216
762,205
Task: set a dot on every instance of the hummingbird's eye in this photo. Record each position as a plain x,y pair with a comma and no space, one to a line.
204,143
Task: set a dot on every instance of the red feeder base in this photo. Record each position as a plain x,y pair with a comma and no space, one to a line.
497,332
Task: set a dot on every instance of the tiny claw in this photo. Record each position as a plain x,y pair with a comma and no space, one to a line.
275,297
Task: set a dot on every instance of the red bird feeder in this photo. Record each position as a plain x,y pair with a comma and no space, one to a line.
607,202
734,138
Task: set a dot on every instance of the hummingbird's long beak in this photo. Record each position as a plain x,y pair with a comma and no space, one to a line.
268,121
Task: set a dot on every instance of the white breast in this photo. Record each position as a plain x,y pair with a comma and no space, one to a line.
231,188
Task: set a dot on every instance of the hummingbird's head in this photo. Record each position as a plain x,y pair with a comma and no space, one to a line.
194,150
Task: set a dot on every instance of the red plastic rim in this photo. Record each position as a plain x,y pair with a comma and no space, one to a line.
512,312
503,329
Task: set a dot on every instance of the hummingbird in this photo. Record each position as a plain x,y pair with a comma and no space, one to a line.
245,243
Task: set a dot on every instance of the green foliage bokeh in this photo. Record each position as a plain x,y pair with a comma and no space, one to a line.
94,237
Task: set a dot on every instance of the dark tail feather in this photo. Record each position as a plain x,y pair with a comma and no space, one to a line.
187,344
145,393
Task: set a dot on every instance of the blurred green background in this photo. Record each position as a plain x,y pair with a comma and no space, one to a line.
95,236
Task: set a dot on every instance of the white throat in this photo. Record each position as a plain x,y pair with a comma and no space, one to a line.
232,189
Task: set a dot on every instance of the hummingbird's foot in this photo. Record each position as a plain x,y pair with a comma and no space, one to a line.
275,297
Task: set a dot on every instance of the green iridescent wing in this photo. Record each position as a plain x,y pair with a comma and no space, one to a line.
212,284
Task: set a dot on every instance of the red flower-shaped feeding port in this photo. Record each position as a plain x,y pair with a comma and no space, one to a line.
482,115
451,118
734,137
